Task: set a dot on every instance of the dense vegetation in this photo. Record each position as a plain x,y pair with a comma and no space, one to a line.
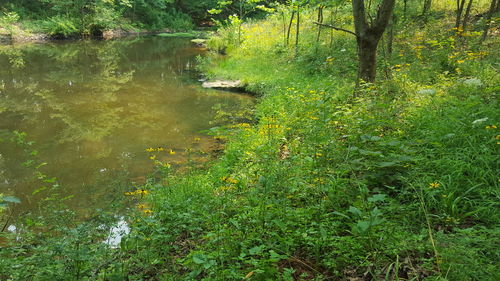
71,18
332,177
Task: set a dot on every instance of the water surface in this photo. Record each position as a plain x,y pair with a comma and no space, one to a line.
92,108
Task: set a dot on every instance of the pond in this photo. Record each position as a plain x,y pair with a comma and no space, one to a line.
84,116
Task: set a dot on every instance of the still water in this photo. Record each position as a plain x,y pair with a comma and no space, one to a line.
91,109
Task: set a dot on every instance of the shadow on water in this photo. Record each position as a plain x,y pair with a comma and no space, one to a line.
90,109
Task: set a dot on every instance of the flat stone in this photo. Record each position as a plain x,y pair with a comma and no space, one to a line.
199,42
223,84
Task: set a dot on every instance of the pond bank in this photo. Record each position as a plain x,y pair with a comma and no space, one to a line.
22,36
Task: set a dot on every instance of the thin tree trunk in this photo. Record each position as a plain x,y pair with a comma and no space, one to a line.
427,7
284,28
290,27
493,7
331,30
297,32
467,14
320,20
460,9
405,9
390,36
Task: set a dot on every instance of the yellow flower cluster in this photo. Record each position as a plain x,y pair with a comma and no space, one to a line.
223,189
272,126
155,149
468,56
137,192
399,67
491,127
433,185
319,180
160,149
229,180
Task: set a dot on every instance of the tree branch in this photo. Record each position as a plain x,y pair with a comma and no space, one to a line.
336,28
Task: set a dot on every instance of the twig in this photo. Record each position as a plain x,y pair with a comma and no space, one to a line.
336,28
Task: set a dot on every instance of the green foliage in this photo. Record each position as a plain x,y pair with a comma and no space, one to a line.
60,27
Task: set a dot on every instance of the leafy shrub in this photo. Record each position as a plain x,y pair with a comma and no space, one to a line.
60,27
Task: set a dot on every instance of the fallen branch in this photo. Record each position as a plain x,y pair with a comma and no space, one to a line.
336,28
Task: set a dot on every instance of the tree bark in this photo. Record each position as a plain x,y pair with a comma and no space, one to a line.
427,7
297,32
368,36
367,53
467,14
495,4
320,20
460,9
390,37
290,27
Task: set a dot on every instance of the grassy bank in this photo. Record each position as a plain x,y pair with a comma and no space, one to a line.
396,180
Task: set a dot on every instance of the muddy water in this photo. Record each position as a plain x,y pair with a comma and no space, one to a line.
91,109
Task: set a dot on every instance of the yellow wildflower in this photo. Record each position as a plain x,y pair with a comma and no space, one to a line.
148,211
150,149
171,152
141,206
433,185
142,192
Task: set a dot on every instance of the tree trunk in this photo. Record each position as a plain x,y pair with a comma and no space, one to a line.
368,36
467,14
284,27
494,5
405,9
427,7
320,20
297,32
367,54
390,36
290,27
460,9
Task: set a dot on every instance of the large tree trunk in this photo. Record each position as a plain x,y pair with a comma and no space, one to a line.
368,36
367,53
